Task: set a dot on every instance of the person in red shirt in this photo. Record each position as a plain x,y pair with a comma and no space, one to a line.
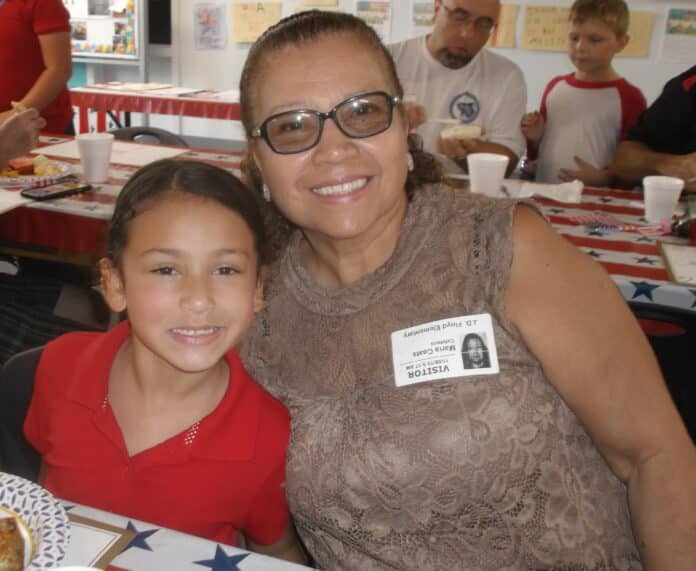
35,60
157,419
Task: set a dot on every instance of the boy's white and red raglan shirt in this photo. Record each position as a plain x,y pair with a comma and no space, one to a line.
584,119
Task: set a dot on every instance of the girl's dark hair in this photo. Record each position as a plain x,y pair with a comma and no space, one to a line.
159,179
305,28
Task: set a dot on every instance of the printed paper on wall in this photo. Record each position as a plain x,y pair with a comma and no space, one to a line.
251,19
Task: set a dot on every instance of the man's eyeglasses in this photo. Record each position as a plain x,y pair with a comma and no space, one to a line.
357,117
463,18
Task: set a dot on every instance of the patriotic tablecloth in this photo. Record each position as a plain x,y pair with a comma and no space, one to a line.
155,548
632,259
78,224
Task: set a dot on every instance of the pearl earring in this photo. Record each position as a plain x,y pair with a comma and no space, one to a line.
409,162
266,192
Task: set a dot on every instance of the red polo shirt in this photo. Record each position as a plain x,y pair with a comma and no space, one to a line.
21,62
223,474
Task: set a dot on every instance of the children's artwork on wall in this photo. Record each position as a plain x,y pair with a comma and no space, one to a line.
421,17
103,28
251,19
209,26
679,41
546,29
640,32
377,14
504,35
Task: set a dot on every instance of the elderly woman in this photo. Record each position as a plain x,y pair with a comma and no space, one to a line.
400,458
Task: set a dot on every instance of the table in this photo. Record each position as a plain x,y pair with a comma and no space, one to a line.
74,229
77,225
166,101
154,548
632,259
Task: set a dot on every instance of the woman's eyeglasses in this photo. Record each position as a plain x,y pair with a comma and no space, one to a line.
357,117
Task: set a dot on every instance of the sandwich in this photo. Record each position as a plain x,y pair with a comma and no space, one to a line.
11,545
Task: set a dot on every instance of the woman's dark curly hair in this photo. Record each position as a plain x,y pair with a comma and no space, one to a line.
305,28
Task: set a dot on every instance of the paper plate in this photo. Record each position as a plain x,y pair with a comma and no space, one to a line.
30,180
43,514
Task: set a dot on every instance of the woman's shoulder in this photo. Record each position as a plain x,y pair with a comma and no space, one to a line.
446,204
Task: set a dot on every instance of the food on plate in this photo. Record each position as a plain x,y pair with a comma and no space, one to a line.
22,166
38,166
11,545
18,106
461,132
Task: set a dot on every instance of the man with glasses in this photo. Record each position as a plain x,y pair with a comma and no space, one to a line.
449,77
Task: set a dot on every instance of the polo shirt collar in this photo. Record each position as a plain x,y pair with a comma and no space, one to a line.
229,432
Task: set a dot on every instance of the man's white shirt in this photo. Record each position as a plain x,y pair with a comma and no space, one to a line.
490,91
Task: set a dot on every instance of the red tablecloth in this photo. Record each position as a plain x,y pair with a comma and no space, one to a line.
110,100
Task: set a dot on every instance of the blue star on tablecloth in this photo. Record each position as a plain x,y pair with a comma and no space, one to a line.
222,561
645,260
644,288
557,210
693,292
594,254
645,239
140,537
596,233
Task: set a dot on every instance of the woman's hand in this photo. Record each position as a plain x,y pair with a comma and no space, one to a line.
19,134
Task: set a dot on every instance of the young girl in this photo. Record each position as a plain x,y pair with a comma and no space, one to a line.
157,419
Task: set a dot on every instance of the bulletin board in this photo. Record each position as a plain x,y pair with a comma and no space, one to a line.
106,29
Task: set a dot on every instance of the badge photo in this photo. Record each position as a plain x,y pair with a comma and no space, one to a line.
455,347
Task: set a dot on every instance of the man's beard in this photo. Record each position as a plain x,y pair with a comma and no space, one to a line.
452,61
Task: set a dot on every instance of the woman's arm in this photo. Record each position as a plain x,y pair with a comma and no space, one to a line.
574,320
287,547
55,50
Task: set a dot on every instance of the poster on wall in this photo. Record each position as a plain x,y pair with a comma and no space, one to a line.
546,29
103,28
421,17
679,41
378,15
251,19
209,26
504,35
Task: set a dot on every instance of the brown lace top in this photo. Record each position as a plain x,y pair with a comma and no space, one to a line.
481,472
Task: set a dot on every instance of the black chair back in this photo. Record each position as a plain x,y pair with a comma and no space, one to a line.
151,135
672,335
16,385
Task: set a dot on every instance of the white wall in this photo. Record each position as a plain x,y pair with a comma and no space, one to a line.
221,69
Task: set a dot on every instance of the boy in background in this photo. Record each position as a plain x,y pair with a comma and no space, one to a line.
585,114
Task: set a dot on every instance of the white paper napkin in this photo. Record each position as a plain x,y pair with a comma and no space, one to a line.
563,192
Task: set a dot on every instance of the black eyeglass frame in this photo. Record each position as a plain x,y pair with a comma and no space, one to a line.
475,23
261,131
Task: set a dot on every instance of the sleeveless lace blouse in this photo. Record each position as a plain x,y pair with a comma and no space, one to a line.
485,472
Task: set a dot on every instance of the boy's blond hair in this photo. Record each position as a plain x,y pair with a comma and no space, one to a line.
614,13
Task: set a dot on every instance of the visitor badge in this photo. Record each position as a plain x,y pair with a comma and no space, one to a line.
453,347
